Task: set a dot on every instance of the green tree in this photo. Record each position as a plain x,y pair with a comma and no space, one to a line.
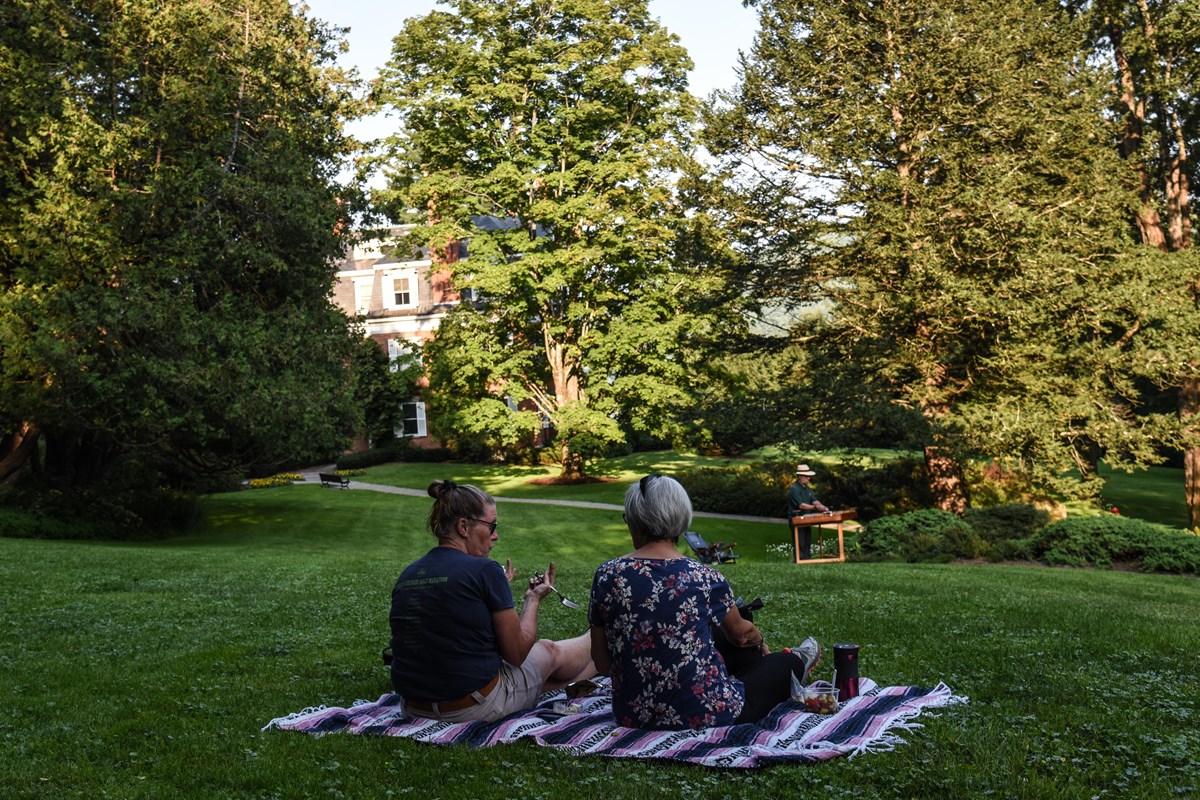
1154,52
169,222
549,133
382,385
943,174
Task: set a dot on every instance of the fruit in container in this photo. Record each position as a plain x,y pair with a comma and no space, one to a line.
820,699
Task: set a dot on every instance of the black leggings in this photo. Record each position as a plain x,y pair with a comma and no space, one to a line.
768,683
768,679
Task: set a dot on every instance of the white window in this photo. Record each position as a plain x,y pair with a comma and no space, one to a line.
413,414
400,289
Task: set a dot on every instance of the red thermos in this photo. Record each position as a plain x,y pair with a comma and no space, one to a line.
845,671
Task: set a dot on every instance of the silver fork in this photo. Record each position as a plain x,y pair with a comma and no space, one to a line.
565,601
541,578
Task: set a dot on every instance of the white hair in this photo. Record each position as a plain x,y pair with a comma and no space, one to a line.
658,508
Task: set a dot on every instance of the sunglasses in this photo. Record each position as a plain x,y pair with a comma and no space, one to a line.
491,525
644,482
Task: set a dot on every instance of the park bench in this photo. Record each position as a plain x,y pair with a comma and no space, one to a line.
331,479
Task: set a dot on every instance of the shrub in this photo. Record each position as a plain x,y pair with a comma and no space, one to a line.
751,489
369,458
20,524
761,489
927,535
1009,521
1174,552
963,541
91,513
1100,541
470,449
427,454
933,535
396,450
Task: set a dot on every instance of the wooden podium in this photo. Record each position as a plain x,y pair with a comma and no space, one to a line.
818,521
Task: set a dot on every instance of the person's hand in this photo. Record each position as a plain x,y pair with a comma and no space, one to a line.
509,572
541,583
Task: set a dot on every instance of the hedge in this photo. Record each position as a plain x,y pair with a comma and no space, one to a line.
1016,532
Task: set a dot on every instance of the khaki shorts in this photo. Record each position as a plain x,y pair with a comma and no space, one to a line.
518,689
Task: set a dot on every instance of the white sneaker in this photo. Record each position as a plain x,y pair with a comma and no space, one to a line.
809,652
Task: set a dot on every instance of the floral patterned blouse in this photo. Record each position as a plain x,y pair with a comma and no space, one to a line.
657,615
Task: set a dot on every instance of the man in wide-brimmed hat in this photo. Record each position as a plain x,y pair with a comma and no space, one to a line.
802,500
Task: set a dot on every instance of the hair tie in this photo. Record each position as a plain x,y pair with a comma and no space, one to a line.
447,485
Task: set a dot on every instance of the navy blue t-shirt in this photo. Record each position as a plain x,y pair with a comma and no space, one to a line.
443,643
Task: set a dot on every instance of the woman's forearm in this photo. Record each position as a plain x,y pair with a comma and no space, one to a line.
516,634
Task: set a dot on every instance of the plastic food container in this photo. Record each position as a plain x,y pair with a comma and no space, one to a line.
818,698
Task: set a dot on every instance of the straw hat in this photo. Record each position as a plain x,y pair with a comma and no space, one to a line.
804,470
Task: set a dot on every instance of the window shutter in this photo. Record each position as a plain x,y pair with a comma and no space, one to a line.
421,431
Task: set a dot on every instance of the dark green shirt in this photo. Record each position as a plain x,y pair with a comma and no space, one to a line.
798,494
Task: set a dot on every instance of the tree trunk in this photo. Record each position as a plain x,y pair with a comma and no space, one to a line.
1146,217
946,480
1189,408
1176,234
562,372
567,391
16,448
1179,221
572,463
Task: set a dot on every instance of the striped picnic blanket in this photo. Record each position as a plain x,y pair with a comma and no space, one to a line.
871,722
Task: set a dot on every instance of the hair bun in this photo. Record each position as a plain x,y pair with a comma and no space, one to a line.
438,489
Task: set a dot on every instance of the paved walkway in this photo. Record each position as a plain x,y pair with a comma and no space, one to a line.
311,475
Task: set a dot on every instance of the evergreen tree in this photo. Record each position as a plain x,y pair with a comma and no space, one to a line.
169,222
942,172
1154,52
547,133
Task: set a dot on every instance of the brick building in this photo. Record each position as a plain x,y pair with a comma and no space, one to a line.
401,295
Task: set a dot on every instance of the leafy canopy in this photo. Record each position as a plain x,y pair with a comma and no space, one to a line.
550,133
166,240
944,175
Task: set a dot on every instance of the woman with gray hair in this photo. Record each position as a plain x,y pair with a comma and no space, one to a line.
460,651
653,614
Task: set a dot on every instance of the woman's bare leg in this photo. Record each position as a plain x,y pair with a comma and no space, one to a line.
563,662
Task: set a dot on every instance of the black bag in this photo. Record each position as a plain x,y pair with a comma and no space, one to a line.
738,659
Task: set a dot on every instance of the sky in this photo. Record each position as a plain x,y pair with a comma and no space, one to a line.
713,31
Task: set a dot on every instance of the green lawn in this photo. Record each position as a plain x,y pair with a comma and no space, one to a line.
613,475
145,670
1154,494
